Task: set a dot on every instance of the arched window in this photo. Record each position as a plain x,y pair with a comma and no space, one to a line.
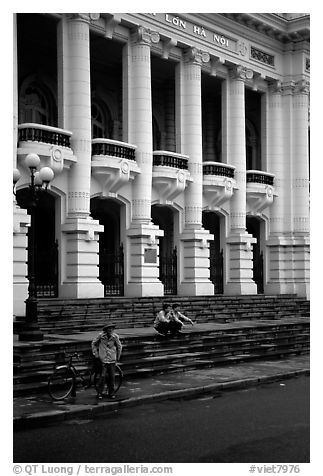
36,105
102,125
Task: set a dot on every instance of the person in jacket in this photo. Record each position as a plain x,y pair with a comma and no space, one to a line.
107,347
161,323
177,319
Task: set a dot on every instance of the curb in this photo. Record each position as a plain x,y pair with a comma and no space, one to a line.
56,416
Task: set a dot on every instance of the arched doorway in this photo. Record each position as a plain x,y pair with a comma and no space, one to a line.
164,218
46,252
111,259
254,229
211,222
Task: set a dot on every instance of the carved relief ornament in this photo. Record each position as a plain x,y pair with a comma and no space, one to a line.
240,73
196,56
145,36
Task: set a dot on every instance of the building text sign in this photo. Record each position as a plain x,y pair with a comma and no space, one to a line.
195,30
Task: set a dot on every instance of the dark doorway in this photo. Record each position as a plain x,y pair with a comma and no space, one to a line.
211,222
253,228
111,258
164,218
46,252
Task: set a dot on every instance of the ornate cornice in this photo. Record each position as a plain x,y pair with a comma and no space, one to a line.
275,26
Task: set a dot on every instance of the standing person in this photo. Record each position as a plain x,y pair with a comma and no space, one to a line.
107,347
176,320
161,323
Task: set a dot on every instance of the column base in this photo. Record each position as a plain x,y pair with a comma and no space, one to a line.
142,261
288,265
80,260
194,279
240,270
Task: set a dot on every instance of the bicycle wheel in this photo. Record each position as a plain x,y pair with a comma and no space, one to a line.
61,382
117,383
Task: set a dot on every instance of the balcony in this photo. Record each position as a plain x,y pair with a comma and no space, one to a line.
170,175
50,143
218,183
260,190
113,164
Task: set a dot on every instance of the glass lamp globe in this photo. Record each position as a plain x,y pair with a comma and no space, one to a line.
16,175
46,174
32,161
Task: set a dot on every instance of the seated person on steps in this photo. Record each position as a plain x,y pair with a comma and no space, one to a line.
176,319
161,323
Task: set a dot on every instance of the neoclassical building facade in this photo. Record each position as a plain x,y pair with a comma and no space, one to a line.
180,150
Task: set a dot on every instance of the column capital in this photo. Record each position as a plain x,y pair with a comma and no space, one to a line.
79,16
302,87
240,73
196,56
144,36
275,86
288,87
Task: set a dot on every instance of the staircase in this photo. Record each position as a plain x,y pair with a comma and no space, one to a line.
59,316
204,345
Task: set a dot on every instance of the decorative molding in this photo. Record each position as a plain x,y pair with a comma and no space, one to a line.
262,56
240,73
196,56
145,36
302,87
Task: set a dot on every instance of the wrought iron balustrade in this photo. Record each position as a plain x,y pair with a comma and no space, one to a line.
215,168
170,160
113,148
111,272
46,273
44,134
168,272
260,177
216,269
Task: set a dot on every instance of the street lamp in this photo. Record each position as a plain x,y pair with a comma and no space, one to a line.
39,181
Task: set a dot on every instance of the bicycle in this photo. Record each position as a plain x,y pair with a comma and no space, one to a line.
63,381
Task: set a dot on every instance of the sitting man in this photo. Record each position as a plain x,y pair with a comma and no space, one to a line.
161,323
176,319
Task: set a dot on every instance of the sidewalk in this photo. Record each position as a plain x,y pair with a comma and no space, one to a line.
40,410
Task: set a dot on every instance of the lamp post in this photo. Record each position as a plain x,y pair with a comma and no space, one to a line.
38,184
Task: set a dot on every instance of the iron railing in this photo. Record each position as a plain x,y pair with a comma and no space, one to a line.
216,270
215,168
44,134
260,177
111,272
46,271
170,160
113,148
168,272
258,271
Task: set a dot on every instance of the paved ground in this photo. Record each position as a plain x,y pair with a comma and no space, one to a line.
268,423
41,410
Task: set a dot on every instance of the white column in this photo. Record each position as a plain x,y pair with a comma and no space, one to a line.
278,257
300,189
15,91
194,247
80,231
21,220
142,250
300,159
239,272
